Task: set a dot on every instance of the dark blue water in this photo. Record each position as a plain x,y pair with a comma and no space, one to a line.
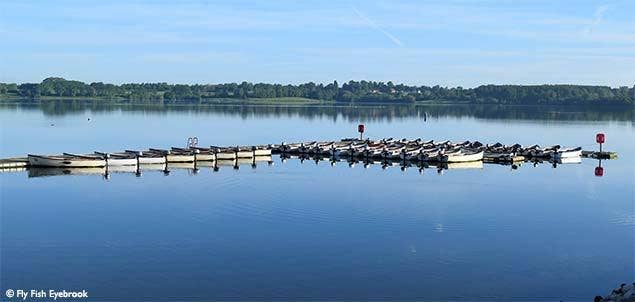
301,230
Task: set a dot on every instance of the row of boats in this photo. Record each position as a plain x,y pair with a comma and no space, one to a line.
151,156
386,149
165,168
195,166
421,150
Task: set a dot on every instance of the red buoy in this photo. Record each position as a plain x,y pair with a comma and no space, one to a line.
360,129
599,171
599,138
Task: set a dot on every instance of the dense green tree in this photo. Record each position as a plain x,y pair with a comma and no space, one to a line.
352,91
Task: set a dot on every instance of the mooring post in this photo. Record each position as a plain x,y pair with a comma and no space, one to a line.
195,170
107,173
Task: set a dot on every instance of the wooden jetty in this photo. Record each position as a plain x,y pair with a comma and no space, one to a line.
16,162
599,155
411,150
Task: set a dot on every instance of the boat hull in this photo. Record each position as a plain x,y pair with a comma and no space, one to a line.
121,161
569,160
461,158
262,152
565,154
63,161
225,155
204,157
152,160
176,158
244,154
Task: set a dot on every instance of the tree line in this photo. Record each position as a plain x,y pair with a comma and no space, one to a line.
350,92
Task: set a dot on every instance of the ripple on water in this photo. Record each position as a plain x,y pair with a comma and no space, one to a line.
623,219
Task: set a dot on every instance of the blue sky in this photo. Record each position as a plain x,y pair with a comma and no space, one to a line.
450,43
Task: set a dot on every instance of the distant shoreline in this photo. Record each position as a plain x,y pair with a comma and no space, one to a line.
4,99
211,101
352,92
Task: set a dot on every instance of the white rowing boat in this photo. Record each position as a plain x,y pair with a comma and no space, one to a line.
148,157
567,152
392,153
175,156
65,161
411,153
180,158
461,156
118,159
200,154
262,151
244,153
225,154
569,160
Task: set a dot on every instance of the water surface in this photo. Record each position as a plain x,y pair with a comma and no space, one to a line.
301,230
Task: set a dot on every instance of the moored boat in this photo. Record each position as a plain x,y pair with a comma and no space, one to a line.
461,156
118,159
261,151
567,152
175,156
148,157
392,153
65,161
411,153
568,160
242,152
224,153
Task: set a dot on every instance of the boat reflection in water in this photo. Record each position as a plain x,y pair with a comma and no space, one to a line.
106,172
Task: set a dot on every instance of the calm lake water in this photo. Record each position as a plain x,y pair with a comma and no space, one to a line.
301,230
